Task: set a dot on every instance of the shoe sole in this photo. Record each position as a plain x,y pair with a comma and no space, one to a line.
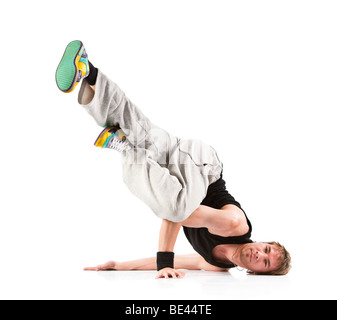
66,73
106,133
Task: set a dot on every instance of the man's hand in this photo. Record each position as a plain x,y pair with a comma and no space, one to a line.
111,265
170,273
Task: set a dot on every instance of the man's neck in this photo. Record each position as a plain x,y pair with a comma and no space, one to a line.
225,252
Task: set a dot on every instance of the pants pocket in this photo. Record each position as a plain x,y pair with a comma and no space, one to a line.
199,152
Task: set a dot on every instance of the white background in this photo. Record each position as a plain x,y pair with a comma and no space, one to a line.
255,79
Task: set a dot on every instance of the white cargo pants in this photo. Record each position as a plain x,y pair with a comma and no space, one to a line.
169,174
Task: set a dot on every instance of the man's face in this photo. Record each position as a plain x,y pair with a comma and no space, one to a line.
258,257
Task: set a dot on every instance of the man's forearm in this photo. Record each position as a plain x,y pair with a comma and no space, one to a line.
139,264
168,235
189,261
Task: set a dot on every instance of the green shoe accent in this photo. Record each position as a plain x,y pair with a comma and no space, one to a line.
66,72
113,138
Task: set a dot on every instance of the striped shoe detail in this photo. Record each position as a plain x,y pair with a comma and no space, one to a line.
113,138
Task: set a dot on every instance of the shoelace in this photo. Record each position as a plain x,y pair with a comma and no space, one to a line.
118,144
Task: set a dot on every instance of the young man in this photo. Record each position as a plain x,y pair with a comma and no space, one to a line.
180,180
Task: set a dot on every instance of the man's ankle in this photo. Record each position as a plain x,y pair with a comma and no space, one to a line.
91,78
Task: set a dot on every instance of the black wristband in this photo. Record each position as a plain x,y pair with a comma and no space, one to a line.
165,259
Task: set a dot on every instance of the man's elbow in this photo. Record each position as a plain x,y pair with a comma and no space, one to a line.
235,226
239,226
235,223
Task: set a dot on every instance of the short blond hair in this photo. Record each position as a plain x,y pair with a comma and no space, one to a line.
284,260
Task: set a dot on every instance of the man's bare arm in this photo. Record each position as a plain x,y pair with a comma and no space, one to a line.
188,262
227,221
168,235
167,238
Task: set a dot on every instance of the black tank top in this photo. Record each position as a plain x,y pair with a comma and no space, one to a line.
201,239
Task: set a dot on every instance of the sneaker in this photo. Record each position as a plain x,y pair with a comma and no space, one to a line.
113,138
73,67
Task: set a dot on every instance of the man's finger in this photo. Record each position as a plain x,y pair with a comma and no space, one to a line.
90,269
181,274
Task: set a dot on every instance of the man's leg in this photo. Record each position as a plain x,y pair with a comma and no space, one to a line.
109,106
153,169
145,167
